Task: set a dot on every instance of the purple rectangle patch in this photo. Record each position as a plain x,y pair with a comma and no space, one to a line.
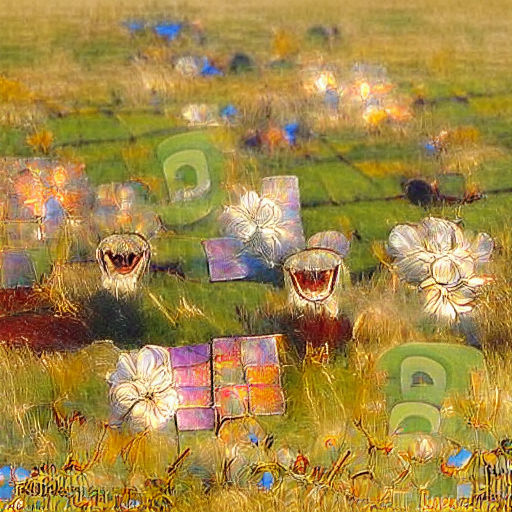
190,355
225,261
198,418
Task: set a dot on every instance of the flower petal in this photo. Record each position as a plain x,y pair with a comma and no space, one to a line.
140,415
156,419
449,304
441,235
149,358
461,302
465,262
125,369
265,245
124,395
433,300
161,379
167,402
268,214
477,281
250,202
482,247
438,304
235,222
447,310
445,271
413,268
404,239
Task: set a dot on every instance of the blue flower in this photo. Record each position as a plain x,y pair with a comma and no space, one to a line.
169,31
430,148
253,438
134,26
290,133
267,481
209,69
228,112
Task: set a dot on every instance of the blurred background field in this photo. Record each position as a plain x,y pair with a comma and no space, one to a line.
82,65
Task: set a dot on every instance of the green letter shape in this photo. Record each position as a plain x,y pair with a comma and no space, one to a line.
186,206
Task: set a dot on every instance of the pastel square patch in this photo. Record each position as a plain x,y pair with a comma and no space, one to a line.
193,376
266,400
227,363
190,355
226,349
225,261
259,351
232,401
263,375
195,397
227,374
199,418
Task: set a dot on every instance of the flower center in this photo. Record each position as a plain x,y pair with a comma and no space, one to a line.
149,396
445,271
268,215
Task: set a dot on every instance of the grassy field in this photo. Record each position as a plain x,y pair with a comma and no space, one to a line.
110,98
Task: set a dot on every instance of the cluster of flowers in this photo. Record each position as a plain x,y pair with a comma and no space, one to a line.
434,254
202,114
367,95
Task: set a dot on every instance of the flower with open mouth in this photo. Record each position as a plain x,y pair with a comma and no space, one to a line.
142,392
123,260
314,276
436,256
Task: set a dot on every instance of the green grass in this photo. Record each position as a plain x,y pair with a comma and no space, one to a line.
87,127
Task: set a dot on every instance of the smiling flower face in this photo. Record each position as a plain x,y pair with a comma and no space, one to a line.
436,256
142,390
258,222
123,260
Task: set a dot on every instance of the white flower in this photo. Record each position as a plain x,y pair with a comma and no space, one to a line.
142,389
188,66
319,80
422,449
435,255
325,81
200,114
258,222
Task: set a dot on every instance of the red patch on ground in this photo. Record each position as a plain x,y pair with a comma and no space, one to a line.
320,330
43,332
18,300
